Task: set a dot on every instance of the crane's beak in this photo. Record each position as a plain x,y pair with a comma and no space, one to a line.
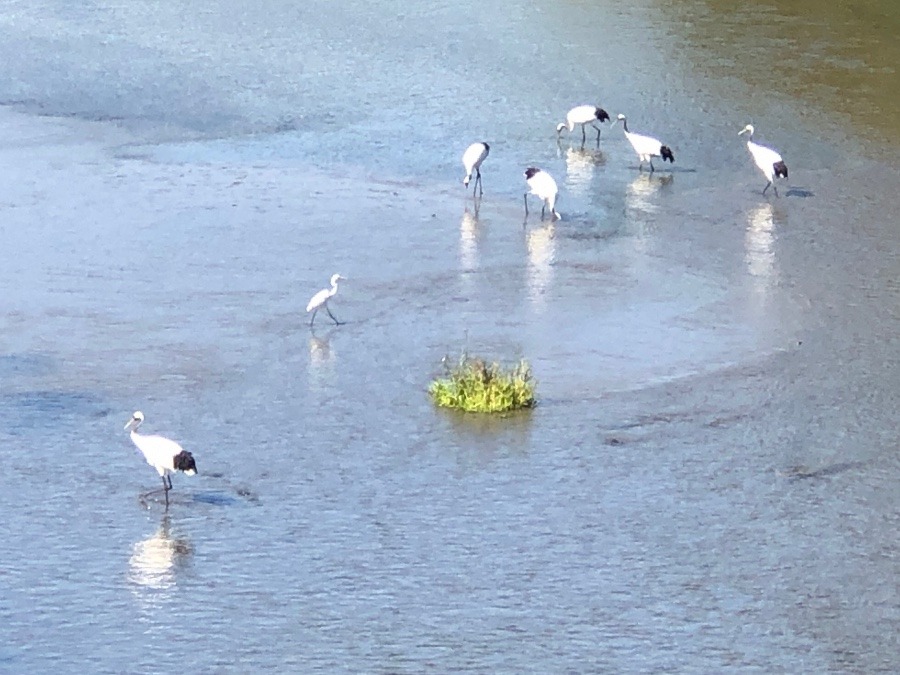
128,425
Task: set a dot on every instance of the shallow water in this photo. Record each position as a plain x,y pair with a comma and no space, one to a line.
707,483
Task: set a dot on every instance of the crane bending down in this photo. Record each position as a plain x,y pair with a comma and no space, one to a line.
163,454
472,158
646,147
320,300
583,115
768,161
542,185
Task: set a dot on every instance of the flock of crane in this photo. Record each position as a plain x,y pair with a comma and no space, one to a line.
542,185
168,457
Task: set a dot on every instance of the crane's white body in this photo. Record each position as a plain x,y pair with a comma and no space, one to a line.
583,115
765,158
159,452
542,185
163,454
472,158
320,300
646,147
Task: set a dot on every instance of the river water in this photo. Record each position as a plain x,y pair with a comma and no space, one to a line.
709,481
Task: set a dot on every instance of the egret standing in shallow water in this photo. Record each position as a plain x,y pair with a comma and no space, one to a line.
542,185
646,147
472,158
163,454
320,300
768,161
583,115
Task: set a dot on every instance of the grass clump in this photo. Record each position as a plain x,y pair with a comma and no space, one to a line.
474,385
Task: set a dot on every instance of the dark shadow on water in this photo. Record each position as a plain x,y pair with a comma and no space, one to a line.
799,192
802,472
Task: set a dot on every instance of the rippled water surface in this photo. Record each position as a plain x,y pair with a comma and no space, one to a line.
709,481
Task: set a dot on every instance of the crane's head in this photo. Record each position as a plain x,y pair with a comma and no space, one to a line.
747,130
619,118
335,278
135,421
560,127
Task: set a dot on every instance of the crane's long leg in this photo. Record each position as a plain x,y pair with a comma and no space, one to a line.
767,187
478,182
336,322
583,137
313,317
526,203
598,134
651,166
775,187
543,206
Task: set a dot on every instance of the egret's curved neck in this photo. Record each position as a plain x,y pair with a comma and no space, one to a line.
625,125
333,287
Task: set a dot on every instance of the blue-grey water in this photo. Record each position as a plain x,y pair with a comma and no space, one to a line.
708,483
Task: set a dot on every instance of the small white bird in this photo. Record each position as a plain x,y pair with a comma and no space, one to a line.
583,115
163,454
542,185
320,300
768,161
472,158
646,147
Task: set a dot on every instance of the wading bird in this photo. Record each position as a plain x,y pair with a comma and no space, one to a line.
320,300
472,158
542,185
163,454
646,147
583,115
768,161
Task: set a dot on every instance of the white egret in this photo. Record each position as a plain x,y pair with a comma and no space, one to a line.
472,158
583,115
163,454
768,161
542,185
646,147
320,300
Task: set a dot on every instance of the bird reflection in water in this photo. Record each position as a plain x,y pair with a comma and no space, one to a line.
641,193
580,165
759,252
156,561
321,359
541,243
468,240
641,205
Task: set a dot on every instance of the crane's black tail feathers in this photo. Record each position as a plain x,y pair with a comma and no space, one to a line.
780,169
666,153
184,461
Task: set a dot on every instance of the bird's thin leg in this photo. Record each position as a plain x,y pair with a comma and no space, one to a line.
582,135
651,166
543,206
336,322
313,317
775,187
478,180
598,134
767,187
526,203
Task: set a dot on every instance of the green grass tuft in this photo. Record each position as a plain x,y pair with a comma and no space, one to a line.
474,385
